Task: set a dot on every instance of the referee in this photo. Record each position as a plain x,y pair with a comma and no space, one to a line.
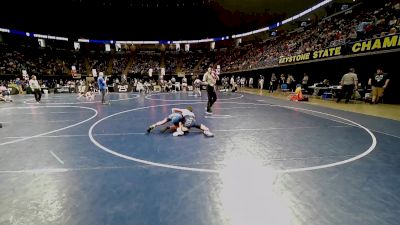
210,78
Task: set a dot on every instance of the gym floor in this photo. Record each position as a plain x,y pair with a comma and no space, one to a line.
271,161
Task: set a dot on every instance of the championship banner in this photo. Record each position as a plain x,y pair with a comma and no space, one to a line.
388,42
320,54
371,45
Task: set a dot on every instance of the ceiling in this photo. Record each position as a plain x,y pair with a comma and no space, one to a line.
146,19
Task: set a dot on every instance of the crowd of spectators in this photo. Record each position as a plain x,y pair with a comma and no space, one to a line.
99,60
171,62
120,62
13,61
351,25
190,60
145,61
43,61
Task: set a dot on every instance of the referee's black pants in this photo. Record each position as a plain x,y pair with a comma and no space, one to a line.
38,94
212,97
346,92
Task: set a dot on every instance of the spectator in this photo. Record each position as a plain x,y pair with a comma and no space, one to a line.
261,82
393,21
272,83
379,83
353,35
291,82
35,87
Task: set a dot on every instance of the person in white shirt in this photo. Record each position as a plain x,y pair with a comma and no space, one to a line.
210,78
37,91
261,82
234,87
184,84
177,86
147,87
173,81
242,81
81,89
135,82
139,87
232,82
197,87
349,84
90,92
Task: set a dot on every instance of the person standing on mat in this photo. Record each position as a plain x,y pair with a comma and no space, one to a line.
349,84
197,87
102,87
210,78
33,83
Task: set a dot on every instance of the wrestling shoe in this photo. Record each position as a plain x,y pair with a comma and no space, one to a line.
177,133
150,129
208,111
208,133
